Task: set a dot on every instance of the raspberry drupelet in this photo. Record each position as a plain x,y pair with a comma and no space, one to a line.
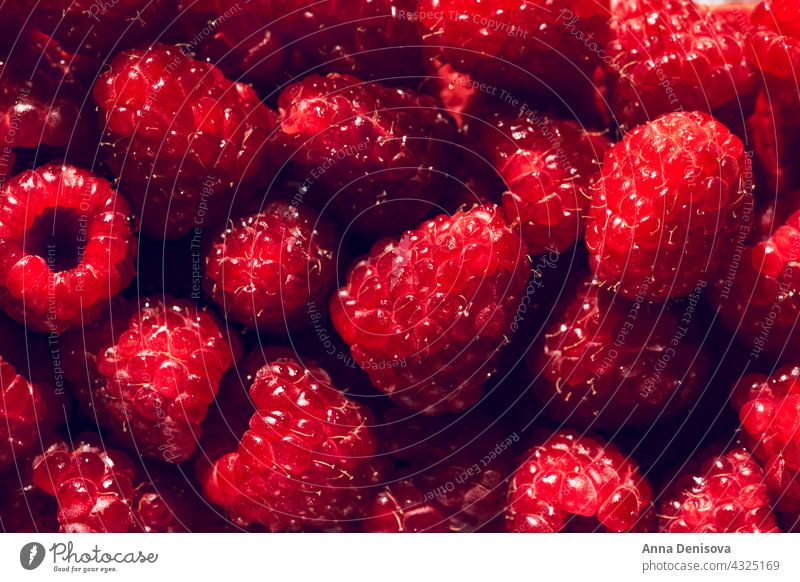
726,494
264,269
22,415
426,314
774,41
186,143
270,41
101,491
674,55
549,166
151,372
381,153
670,201
607,362
67,244
538,44
304,463
769,410
577,483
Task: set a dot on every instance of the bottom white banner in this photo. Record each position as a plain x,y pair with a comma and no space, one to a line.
356,557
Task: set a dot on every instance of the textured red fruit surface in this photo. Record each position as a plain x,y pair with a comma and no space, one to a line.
22,414
549,166
264,270
671,197
426,314
607,362
775,47
304,463
727,494
577,483
673,55
67,245
183,140
769,410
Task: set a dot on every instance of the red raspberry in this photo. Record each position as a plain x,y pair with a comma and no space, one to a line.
265,269
769,410
269,40
549,166
425,315
381,153
99,490
183,139
727,494
606,362
540,44
775,48
577,483
302,464
99,28
152,373
67,244
670,199
22,414
450,478
673,55
757,295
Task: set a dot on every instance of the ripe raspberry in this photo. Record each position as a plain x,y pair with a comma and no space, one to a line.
67,244
302,464
670,199
673,55
606,362
183,139
22,414
265,269
450,475
769,410
381,153
727,494
549,166
539,44
267,41
775,48
577,483
98,490
425,315
757,295
152,373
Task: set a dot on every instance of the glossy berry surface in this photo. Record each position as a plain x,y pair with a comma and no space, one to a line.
670,199
727,494
22,414
67,245
577,483
426,314
264,270
304,462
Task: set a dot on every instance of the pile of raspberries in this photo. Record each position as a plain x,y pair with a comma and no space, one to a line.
399,266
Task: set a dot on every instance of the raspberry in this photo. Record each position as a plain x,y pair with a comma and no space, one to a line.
22,414
726,494
577,483
769,410
757,295
426,314
606,362
302,464
538,44
670,199
381,153
450,476
67,244
672,55
549,166
775,47
98,490
266,268
267,41
152,373
183,139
